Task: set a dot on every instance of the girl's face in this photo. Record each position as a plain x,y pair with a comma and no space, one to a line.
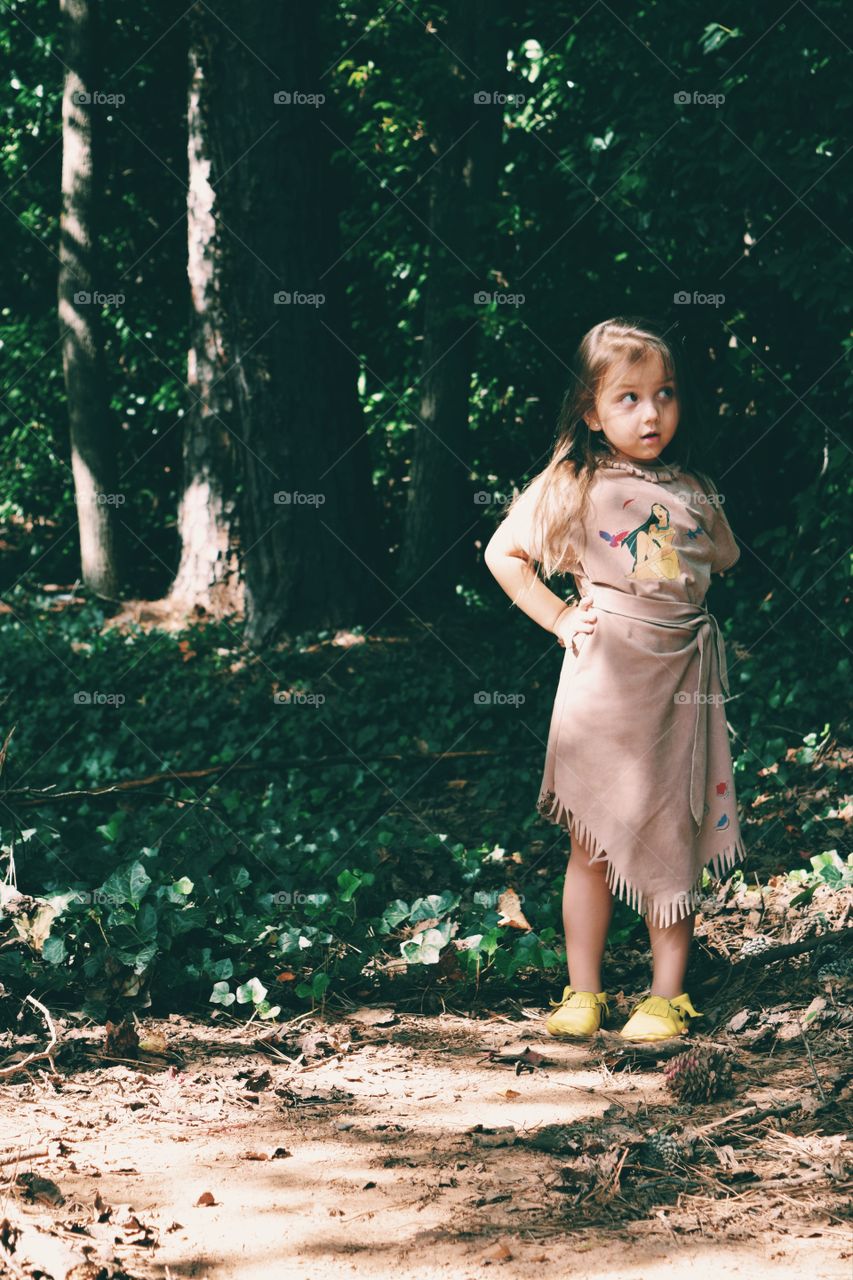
637,409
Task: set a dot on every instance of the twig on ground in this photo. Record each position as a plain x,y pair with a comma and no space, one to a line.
42,1053
754,1112
15,1154
33,797
811,1060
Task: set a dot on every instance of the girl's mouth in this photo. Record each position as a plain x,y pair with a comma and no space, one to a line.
652,435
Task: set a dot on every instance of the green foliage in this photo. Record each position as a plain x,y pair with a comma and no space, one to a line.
293,878
827,869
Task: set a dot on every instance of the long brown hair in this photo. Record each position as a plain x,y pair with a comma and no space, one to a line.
562,488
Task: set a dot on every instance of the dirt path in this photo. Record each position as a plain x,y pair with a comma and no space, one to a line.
371,1165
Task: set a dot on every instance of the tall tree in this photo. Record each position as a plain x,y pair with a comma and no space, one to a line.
465,137
276,457
208,576
93,445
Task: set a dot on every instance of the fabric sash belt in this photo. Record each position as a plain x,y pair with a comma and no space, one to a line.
683,617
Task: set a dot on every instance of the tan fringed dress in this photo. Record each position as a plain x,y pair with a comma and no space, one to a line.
638,763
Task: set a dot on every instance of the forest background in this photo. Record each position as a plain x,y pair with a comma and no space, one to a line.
289,295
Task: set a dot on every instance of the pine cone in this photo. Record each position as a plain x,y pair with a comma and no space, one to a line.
754,946
700,1075
836,970
662,1151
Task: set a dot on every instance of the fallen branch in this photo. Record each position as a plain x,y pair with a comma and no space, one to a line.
791,948
717,963
13,1155
42,1053
620,1050
33,797
754,1112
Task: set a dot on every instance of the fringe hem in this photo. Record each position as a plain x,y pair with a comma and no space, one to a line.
660,913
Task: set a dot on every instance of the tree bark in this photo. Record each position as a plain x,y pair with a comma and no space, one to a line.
208,577
278,428
93,443
440,516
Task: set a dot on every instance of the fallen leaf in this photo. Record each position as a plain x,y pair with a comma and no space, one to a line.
500,1136
373,1017
525,1061
499,1252
817,1006
512,916
102,1209
154,1043
321,1044
255,1081
121,1040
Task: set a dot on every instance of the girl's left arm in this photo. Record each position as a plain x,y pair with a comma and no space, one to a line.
726,551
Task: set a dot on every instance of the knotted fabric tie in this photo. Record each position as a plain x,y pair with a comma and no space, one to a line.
680,616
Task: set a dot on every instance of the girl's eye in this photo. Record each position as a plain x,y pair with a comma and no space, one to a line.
669,390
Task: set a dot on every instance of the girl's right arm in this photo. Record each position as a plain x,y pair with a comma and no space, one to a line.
508,558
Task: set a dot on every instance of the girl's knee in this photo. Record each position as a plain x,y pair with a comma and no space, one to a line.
581,859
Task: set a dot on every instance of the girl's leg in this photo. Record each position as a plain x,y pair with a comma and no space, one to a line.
670,951
587,908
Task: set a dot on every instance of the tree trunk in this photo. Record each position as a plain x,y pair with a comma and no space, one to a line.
440,516
279,420
208,578
93,444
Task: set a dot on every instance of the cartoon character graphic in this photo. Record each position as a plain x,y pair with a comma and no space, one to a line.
651,546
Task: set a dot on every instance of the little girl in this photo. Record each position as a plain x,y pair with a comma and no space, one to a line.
638,768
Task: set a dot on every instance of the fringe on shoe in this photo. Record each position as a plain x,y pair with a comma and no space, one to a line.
661,913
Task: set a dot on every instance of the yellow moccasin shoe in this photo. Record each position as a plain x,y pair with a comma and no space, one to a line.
577,1013
657,1018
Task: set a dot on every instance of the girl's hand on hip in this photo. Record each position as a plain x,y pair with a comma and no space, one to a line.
580,619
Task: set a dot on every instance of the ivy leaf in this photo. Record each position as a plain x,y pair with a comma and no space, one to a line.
179,890
427,946
349,884
221,994
128,884
434,906
251,992
395,913
54,950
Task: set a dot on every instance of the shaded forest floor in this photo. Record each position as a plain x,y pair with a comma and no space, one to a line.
438,1129
382,1141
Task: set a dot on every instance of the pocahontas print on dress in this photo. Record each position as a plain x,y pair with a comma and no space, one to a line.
651,545
638,763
